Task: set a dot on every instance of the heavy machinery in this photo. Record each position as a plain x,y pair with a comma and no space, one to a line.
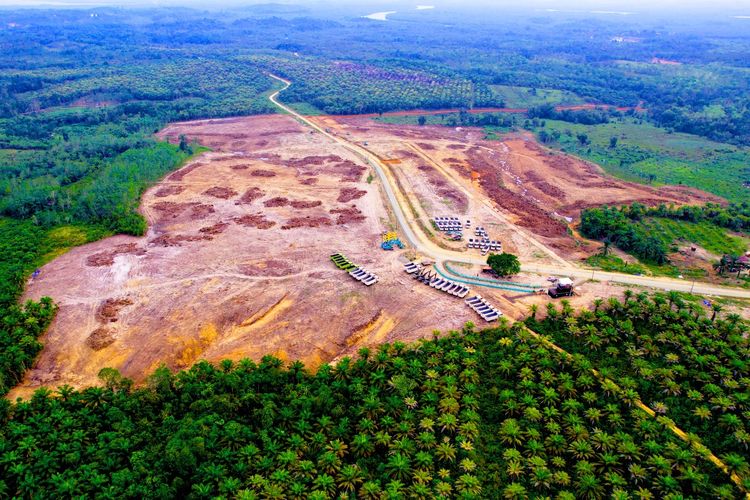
563,288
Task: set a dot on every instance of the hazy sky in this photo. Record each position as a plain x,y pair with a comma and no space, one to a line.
588,5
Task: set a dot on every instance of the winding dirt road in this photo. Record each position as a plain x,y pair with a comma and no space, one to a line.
440,255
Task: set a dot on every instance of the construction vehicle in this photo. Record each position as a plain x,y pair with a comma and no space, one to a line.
388,245
563,288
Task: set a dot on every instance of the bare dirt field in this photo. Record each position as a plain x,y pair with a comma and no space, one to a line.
236,260
535,188
236,265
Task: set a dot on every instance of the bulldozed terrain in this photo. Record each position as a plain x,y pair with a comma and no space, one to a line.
534,188
236,260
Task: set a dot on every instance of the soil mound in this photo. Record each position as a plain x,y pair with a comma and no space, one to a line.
107,258
307,221
259,172
300,204
349,194
169,191
250,196
223,193
258,221
100,338
347,215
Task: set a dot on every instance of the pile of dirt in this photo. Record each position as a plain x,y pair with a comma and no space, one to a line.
544,186
100,338
217,228
174,210
180,174
109,309
176,240
201,211
278,201
169,191
250,196
456,147
258,221
426,146
107,258
349,194
307,221
271,267
223,193
550,190
241,166
305,204
313,160
346,215
349,171
259,172
309,181
171,208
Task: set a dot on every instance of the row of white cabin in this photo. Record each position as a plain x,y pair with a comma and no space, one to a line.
483,308
365,277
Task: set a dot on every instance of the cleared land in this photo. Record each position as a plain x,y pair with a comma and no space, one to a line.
235,263
456,171
231,269
645,153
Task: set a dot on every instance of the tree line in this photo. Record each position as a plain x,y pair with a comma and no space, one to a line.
613,226
491,414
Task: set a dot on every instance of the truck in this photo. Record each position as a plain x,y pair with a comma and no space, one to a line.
563,288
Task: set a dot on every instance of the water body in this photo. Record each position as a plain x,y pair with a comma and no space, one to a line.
379,16
611,12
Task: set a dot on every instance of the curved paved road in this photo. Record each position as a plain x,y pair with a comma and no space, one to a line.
440,255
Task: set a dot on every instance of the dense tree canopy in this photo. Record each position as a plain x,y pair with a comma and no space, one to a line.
495,414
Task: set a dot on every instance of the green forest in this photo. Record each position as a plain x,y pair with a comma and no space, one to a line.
491,414
649,233
498,413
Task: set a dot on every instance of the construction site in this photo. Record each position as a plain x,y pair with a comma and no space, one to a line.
309,239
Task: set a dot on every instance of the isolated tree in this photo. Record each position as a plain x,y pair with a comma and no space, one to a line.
504,264
613,142
421,120
583,139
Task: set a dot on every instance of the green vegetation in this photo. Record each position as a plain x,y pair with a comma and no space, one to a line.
613,263
504,264
683,359
526,97
651,233
612,225
497,414
24,247
704,234
349,88
649,154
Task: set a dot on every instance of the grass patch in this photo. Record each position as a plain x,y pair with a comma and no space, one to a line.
649,154
612,263
526,97
305,109
704,234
